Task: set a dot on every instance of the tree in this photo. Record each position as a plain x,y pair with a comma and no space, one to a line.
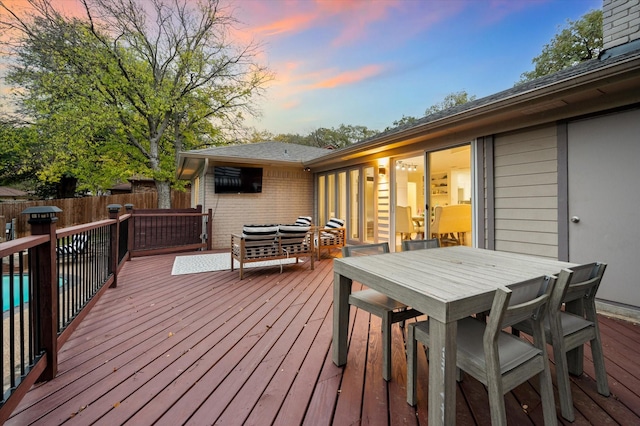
322,137
17,151
449,101
580,41
130,84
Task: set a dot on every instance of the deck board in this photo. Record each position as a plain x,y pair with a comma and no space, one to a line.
210,348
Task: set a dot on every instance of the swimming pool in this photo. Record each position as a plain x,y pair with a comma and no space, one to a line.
6,283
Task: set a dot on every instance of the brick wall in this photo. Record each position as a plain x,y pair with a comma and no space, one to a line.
286,194
621,22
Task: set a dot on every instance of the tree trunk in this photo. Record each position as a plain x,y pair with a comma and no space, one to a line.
164,194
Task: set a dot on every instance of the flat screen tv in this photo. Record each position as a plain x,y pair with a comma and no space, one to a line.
236,180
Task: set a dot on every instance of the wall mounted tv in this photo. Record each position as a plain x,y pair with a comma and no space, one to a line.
236,180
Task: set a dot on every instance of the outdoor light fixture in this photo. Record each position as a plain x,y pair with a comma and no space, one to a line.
39,214
406,166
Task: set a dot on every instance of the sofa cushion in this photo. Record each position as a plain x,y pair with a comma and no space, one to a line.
293,234
260,232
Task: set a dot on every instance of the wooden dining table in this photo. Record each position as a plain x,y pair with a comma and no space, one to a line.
447,284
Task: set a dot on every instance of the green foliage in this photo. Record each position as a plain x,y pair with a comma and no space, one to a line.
122,90
322,137
405,120
18,153
579,41
449,101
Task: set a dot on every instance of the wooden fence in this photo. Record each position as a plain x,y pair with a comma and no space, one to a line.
77,211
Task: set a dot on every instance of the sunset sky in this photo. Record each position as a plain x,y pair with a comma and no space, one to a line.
369,62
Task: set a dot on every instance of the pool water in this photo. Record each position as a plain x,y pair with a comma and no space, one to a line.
6,283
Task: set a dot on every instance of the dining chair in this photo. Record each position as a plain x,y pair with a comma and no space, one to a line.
405,225
420,244
569,329
451,223
376,303
497,359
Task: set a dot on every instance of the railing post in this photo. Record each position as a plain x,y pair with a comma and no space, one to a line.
43,270
129,209
210,230
114,211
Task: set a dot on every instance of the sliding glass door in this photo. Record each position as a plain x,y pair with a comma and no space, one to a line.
450,190
346,195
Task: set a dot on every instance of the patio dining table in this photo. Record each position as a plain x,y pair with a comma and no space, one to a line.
447,284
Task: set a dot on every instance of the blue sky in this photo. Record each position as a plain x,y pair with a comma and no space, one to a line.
371,62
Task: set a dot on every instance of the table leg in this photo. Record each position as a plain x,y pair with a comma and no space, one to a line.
442,372
341,291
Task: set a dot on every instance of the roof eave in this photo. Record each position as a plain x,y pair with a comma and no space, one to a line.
537,95
187,173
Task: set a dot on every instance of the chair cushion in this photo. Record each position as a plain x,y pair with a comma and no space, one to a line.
303,221
369,298
513,350
572,323
334,223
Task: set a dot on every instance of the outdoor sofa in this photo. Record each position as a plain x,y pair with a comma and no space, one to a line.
259,243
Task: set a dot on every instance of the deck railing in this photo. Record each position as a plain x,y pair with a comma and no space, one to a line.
52,278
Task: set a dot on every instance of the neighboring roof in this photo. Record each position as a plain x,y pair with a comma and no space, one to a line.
121,187
6,192
266,153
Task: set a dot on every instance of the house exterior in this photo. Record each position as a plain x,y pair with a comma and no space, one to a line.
8,194
287,185
549,168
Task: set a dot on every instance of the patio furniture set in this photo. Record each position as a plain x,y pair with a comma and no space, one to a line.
471,296
259,243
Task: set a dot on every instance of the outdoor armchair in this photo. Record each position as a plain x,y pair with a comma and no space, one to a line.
494,357
332,236
420,244
568,329
376,303
77,246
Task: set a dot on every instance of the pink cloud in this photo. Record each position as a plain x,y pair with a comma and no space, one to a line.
348,77
286,25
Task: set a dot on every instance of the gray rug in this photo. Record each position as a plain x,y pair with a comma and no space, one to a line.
216,262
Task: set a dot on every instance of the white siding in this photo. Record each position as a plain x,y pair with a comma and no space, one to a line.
526,192
384,212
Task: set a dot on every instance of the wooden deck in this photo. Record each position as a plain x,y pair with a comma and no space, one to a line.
208,348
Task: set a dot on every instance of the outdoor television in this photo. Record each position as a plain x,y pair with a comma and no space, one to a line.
236,180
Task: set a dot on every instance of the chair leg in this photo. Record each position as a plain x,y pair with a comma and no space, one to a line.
546,394
564,384
386,346
598,365
575,361
496,402
412,365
